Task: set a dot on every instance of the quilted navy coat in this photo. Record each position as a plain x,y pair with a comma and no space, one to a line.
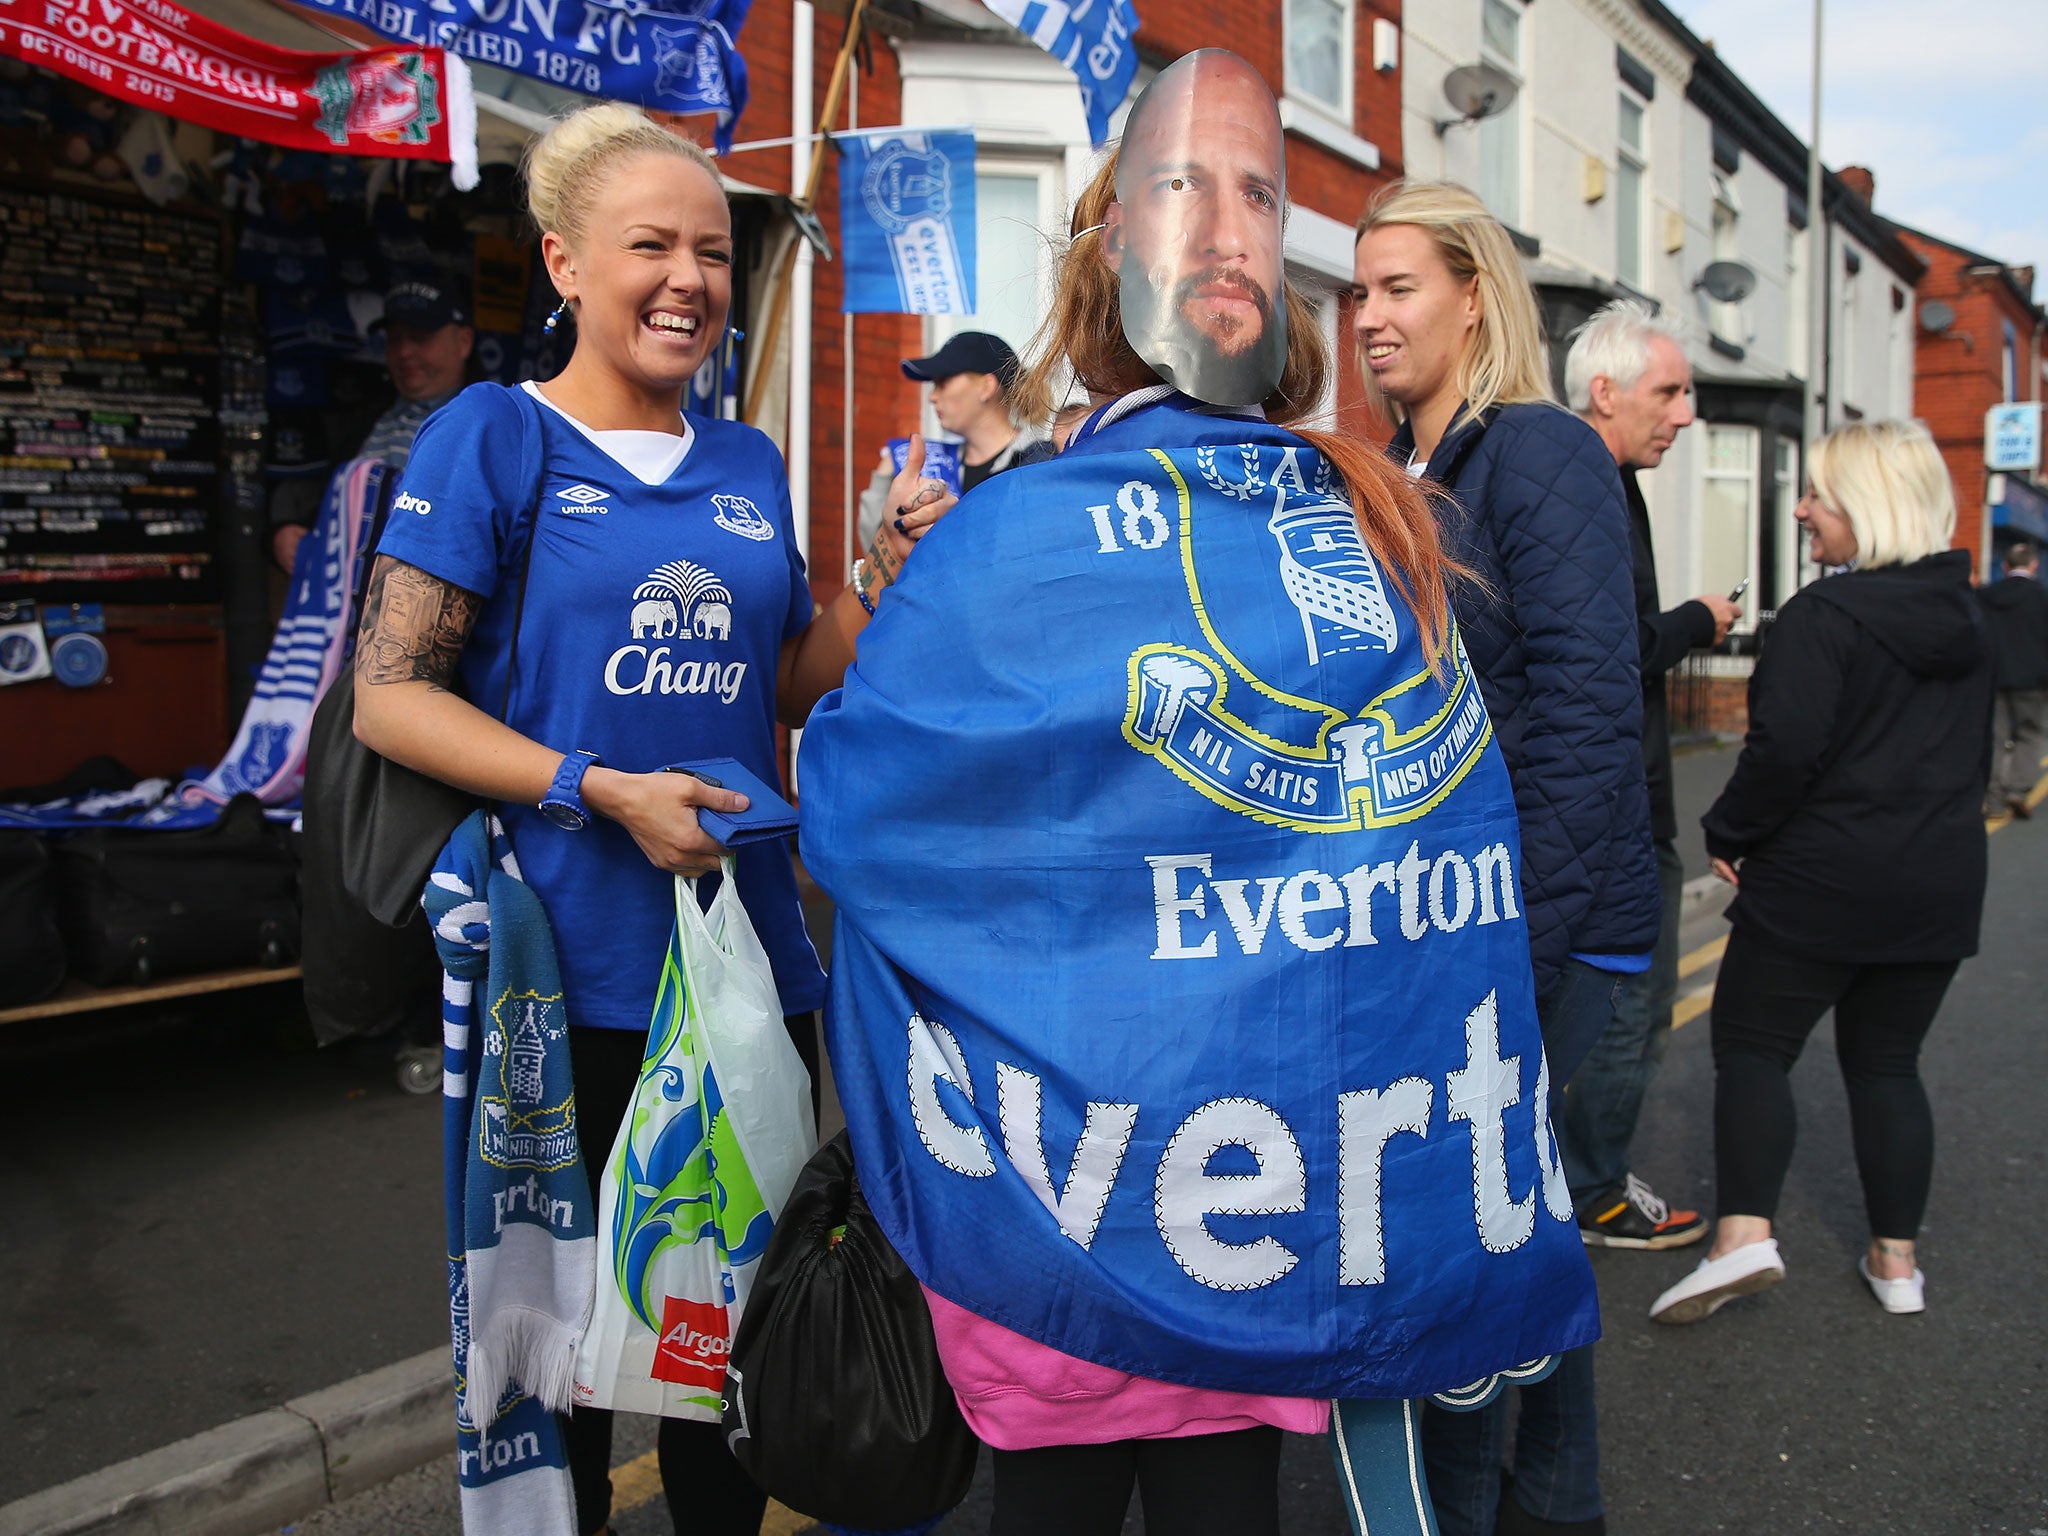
1535,508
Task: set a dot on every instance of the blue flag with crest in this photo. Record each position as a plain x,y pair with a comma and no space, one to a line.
1181,1000
1093,38
672,55
906,223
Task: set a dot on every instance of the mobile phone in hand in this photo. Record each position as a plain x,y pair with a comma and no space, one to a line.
1741,587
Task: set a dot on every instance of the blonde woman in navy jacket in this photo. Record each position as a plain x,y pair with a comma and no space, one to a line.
1447,333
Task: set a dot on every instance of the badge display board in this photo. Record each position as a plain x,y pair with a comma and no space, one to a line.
110,317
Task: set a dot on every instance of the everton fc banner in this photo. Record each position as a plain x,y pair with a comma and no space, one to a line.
677,56
906,223
1182,1009
409,103
1093,39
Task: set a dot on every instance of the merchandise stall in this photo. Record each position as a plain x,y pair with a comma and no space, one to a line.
185,313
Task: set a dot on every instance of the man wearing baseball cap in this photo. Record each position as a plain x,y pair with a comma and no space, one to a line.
427,345
970,378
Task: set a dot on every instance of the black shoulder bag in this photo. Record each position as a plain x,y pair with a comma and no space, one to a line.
374,827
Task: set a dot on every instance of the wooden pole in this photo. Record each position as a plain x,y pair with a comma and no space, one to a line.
778,305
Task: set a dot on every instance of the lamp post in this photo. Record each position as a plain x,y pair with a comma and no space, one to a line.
1818,257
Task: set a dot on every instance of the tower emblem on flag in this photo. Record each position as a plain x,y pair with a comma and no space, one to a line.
390,100
1241,739
905,183
1332,579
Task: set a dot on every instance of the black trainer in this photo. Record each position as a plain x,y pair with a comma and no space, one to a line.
1633,1217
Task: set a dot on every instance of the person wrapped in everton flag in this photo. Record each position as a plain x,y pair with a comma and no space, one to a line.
1181,1002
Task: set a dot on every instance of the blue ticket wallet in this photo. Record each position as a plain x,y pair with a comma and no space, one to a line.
767,814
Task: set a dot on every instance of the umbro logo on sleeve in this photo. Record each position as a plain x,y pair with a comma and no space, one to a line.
407,502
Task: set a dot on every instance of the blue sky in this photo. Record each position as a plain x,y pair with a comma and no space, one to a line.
1943,102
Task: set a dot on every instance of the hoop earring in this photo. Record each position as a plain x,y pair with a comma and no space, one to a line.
547,327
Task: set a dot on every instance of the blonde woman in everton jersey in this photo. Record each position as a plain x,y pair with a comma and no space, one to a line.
666,618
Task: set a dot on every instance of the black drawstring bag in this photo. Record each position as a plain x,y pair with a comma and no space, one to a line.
835,1402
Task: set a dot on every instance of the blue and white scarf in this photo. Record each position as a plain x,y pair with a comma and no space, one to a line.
522,1229
1180,957
268,757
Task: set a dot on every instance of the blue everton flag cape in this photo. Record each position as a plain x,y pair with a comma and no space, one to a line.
1181,1000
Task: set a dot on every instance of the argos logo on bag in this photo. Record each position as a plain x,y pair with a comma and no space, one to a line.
694,1344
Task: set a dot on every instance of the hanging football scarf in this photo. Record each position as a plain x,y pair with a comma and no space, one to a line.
1180,958
678,56
407,103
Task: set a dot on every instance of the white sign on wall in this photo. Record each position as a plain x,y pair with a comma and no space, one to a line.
2012,436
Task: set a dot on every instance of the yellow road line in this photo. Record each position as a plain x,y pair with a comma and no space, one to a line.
2034,798
638,1482
1691,1006
1702,957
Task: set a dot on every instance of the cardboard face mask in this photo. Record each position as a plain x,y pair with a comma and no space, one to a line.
1195,233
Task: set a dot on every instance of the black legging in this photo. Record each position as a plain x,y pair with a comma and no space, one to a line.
1765,1005
1197,1485
708,1493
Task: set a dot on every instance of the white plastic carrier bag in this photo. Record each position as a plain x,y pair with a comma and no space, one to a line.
718,1130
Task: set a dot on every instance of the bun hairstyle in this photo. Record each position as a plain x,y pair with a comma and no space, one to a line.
568,163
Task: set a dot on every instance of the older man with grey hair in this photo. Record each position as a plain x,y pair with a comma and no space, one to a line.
1627,376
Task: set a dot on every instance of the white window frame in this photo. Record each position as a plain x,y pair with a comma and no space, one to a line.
1795,570
1516,69
1726,319
1346,112
1050,172
1751,481
1638,160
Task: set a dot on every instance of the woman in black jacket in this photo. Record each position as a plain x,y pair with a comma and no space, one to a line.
1852,830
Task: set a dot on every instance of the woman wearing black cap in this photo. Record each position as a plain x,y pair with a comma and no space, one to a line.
970,376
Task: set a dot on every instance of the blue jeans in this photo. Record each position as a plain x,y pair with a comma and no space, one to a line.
1557,1447
1597,1119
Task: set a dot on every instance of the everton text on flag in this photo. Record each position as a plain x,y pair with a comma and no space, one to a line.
1090,37
411,103
906,222
677,56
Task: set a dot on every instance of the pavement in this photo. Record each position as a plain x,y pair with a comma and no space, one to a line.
126,1321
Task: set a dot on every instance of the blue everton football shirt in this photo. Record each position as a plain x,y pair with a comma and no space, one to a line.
655,613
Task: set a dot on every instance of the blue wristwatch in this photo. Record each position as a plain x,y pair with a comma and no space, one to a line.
563,803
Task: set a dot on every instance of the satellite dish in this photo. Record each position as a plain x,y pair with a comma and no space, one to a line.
1729,282
1476,91
1936,317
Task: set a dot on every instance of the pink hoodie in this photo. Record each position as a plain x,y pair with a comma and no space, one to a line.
1019,1395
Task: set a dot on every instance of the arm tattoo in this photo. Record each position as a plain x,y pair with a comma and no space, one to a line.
414,626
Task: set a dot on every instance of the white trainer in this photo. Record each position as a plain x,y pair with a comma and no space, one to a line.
1899,1296
1739,1272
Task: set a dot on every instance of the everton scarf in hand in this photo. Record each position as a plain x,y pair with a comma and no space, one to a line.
522,1233
1181,1002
